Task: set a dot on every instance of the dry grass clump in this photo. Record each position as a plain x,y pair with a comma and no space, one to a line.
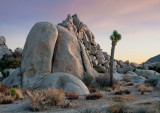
121,92
94,96
8,95
6,99
123,98
5,90
42,99
19,94
117,107
126,78
144,88
92,90
71,95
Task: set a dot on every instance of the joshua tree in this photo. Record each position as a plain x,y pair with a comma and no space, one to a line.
115,37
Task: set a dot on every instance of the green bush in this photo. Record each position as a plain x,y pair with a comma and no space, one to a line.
9,62
155,68
13,92
5,75
87,79
100,69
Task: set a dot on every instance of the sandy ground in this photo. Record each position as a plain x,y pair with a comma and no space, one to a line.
80,105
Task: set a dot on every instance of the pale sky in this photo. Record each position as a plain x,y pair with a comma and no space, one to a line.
138,21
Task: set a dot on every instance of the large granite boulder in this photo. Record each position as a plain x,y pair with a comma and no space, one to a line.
67,57
38,52
14,79
145,73
66,82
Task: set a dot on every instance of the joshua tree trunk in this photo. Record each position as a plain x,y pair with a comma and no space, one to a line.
111,65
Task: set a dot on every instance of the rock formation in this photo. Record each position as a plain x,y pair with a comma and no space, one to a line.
155,59
3,47
58,57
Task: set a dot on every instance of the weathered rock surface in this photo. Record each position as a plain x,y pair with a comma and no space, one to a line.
66,82
155,59
135,65
38,52
145,73
2,40
118,76
137,79
3,48
14,79
67,56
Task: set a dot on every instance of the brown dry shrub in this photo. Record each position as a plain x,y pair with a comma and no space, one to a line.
92,90
19,94
121,92
144,88
42,99
117,107
71,95
123,98
5,90
94,96
6,99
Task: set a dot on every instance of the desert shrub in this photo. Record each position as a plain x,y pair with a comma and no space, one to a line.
123,98
71,95
5,75
152,82
104,80
126,78
121,92
6,99
100,69
92,90
117,107
19,94
87,79
5,90
155,68
94,96
144,88
13,92
9,62
141,67
129,84
42,99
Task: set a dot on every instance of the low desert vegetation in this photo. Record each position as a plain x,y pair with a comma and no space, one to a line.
144,88
104,81
117,107
100,69
9,95
94,96
71,95
87,80
9,62
43,99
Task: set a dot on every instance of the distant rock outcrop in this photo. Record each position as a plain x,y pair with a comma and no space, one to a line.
3,47
155,59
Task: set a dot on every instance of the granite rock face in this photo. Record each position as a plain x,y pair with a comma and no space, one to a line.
3,47
38,52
